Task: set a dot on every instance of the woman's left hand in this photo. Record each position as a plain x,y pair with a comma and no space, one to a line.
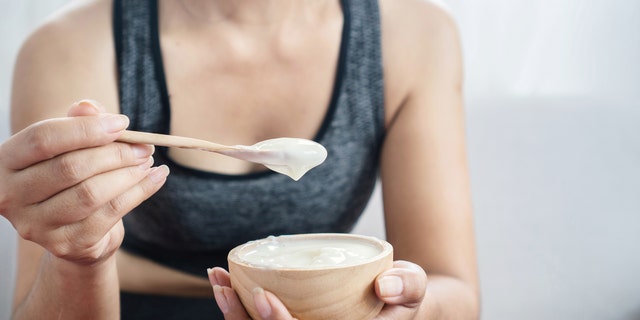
402,288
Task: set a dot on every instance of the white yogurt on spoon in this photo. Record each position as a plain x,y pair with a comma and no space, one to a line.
290,156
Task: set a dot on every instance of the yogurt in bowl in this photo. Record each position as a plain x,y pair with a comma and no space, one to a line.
317,276
308,252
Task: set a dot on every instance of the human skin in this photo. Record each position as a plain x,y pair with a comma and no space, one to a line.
424,175
68,213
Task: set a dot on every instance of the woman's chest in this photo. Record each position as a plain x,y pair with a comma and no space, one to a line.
242,96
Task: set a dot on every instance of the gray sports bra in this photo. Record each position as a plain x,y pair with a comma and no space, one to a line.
198,216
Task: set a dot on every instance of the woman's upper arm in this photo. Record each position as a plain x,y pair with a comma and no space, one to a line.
68,58
425,182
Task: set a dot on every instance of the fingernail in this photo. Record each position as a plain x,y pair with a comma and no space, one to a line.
390,286
261,302
221,299
114,122
142,150
159,174
90,104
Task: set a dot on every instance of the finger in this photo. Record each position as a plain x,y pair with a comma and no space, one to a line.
229,303
404,284
225,296
219,276
118,207
49,138
48,178
269,306
83,199
71,239
38,222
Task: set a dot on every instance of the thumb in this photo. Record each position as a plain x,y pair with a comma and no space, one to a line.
85,108
405,284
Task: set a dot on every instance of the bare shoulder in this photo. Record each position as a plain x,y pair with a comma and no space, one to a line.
76,21
70,35
68,57
418,13
420,43
417,25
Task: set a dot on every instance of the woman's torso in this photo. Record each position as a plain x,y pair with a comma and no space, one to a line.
228,86
86,30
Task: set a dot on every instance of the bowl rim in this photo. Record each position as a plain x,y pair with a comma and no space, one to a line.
386,249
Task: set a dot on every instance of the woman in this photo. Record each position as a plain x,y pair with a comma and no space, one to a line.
378,84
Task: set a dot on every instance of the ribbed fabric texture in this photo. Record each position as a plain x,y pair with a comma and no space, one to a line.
197,217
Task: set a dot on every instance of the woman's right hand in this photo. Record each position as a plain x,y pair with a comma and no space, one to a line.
65,184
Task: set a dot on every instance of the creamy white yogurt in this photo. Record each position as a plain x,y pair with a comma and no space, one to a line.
290,156
307,253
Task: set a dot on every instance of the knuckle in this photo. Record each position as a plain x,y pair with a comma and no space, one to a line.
123,152
90,256
116,205
69,168
77,244
60,249
136,174
119,155
148,188
39,141
25,230
88,196
87,130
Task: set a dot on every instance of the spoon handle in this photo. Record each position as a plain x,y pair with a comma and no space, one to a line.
166,140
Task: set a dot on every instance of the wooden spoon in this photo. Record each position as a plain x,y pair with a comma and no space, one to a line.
290,156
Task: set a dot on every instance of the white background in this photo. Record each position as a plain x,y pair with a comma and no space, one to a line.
554,143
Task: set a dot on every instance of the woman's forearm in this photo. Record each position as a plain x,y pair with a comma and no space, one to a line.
449,298
65,290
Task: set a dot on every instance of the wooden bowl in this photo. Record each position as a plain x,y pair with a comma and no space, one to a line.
313,292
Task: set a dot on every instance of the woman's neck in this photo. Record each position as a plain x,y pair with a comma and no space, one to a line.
249,12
